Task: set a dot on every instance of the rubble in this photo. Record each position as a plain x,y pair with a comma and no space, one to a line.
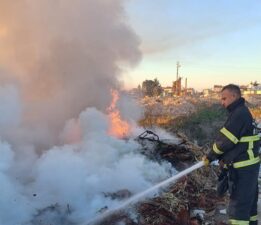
192,200
178,154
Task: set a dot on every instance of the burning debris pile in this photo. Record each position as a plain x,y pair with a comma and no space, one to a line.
99,171
190,201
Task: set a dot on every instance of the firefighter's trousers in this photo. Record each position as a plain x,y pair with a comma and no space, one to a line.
244,195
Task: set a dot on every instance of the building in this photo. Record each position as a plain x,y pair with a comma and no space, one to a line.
252,89
190,91
217,88
207,92
167,91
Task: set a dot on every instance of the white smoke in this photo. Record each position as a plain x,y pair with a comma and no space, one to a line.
58,62
14,206
70,181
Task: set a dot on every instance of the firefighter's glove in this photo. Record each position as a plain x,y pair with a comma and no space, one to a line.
205,160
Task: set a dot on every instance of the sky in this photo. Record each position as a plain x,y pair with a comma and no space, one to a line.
216,42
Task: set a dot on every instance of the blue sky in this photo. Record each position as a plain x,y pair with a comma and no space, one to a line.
216,42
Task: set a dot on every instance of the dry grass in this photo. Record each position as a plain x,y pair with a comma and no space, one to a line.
161,120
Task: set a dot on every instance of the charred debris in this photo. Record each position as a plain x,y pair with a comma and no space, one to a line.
192,200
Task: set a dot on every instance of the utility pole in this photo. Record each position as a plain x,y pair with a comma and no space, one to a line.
178,65
177,80
186,85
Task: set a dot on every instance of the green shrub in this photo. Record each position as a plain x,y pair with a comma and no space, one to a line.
202,125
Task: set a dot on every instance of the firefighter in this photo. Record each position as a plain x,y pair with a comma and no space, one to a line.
237,146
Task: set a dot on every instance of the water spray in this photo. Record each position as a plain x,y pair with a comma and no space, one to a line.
138,197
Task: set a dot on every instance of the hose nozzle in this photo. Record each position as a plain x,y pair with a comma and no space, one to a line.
205,160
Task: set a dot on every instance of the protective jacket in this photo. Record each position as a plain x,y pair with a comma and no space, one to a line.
236,142
238,145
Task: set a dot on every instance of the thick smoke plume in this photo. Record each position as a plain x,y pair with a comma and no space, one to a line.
62,56
59,60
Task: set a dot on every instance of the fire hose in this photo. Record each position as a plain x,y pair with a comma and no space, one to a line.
138,197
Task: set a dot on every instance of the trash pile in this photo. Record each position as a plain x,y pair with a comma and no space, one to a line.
192,200
174,151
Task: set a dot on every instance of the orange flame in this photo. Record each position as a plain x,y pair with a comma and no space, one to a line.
118,127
